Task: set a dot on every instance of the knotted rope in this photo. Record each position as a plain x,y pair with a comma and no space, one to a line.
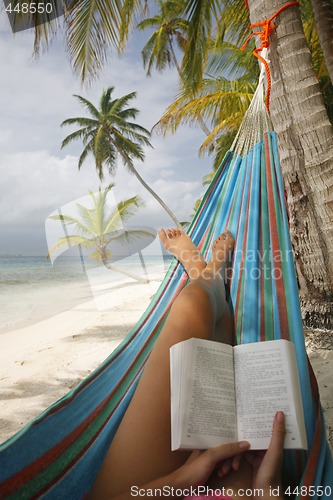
268,28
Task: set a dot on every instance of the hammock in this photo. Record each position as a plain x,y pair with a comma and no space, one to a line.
58,454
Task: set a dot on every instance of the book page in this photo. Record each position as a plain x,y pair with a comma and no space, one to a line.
210,414
265,383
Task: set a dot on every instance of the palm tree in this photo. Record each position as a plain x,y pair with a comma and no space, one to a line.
159,49
108,133
98,227
169,26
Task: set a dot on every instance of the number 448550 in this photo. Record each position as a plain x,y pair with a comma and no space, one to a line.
309,491
30,8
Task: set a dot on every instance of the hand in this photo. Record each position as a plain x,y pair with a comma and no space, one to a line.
201,464
267,465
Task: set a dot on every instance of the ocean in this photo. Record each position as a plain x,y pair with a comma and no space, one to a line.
32,289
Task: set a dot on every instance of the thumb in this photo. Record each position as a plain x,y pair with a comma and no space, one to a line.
227,450
274,455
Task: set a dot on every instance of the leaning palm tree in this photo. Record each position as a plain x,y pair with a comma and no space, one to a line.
109,133
98,227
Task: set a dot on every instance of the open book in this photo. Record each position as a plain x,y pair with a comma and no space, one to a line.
221,394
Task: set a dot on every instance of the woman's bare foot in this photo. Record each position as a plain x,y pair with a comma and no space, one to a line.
221,253
177,242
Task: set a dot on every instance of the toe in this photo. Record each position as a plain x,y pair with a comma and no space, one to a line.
163,236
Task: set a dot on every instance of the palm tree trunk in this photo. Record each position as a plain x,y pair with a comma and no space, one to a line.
305,137
323,14
155,195
131,167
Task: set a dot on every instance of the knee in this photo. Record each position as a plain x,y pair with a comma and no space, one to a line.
195,304
196,294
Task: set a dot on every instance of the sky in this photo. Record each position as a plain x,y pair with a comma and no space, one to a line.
37,177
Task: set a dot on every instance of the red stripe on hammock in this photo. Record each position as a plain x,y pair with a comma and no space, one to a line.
281,298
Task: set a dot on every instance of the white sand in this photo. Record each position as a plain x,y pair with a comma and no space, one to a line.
42,362
319,345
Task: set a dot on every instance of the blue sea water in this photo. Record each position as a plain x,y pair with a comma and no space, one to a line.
32,289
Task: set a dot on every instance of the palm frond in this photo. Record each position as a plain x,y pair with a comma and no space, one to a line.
124,211
127,113
78,134
156,52
89,106
91,27
45,24
128,236
236,18
219,100
201,15
89,148
71,240
68,219
229,60
88,222
82,121
119,103
151,22
130,12
105,100
130,131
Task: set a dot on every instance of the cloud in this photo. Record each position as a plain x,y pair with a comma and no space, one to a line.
34,184
36,176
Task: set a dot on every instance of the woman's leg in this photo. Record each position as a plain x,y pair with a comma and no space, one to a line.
141,449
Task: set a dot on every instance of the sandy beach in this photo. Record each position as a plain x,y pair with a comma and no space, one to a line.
41,362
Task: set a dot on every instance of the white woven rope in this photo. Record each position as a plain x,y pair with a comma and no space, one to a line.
256,120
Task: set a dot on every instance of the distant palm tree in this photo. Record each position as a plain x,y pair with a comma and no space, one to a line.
108,133
98,227
170,26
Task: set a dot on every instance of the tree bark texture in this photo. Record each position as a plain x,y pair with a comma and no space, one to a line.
323,14
305,137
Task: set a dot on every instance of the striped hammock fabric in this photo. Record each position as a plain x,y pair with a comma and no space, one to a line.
57,455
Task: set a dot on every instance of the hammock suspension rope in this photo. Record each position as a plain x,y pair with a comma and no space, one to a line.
268,28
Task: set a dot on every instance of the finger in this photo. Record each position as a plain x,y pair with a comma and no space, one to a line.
274,454
254,458
194,455
225,468
236,461
227,450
